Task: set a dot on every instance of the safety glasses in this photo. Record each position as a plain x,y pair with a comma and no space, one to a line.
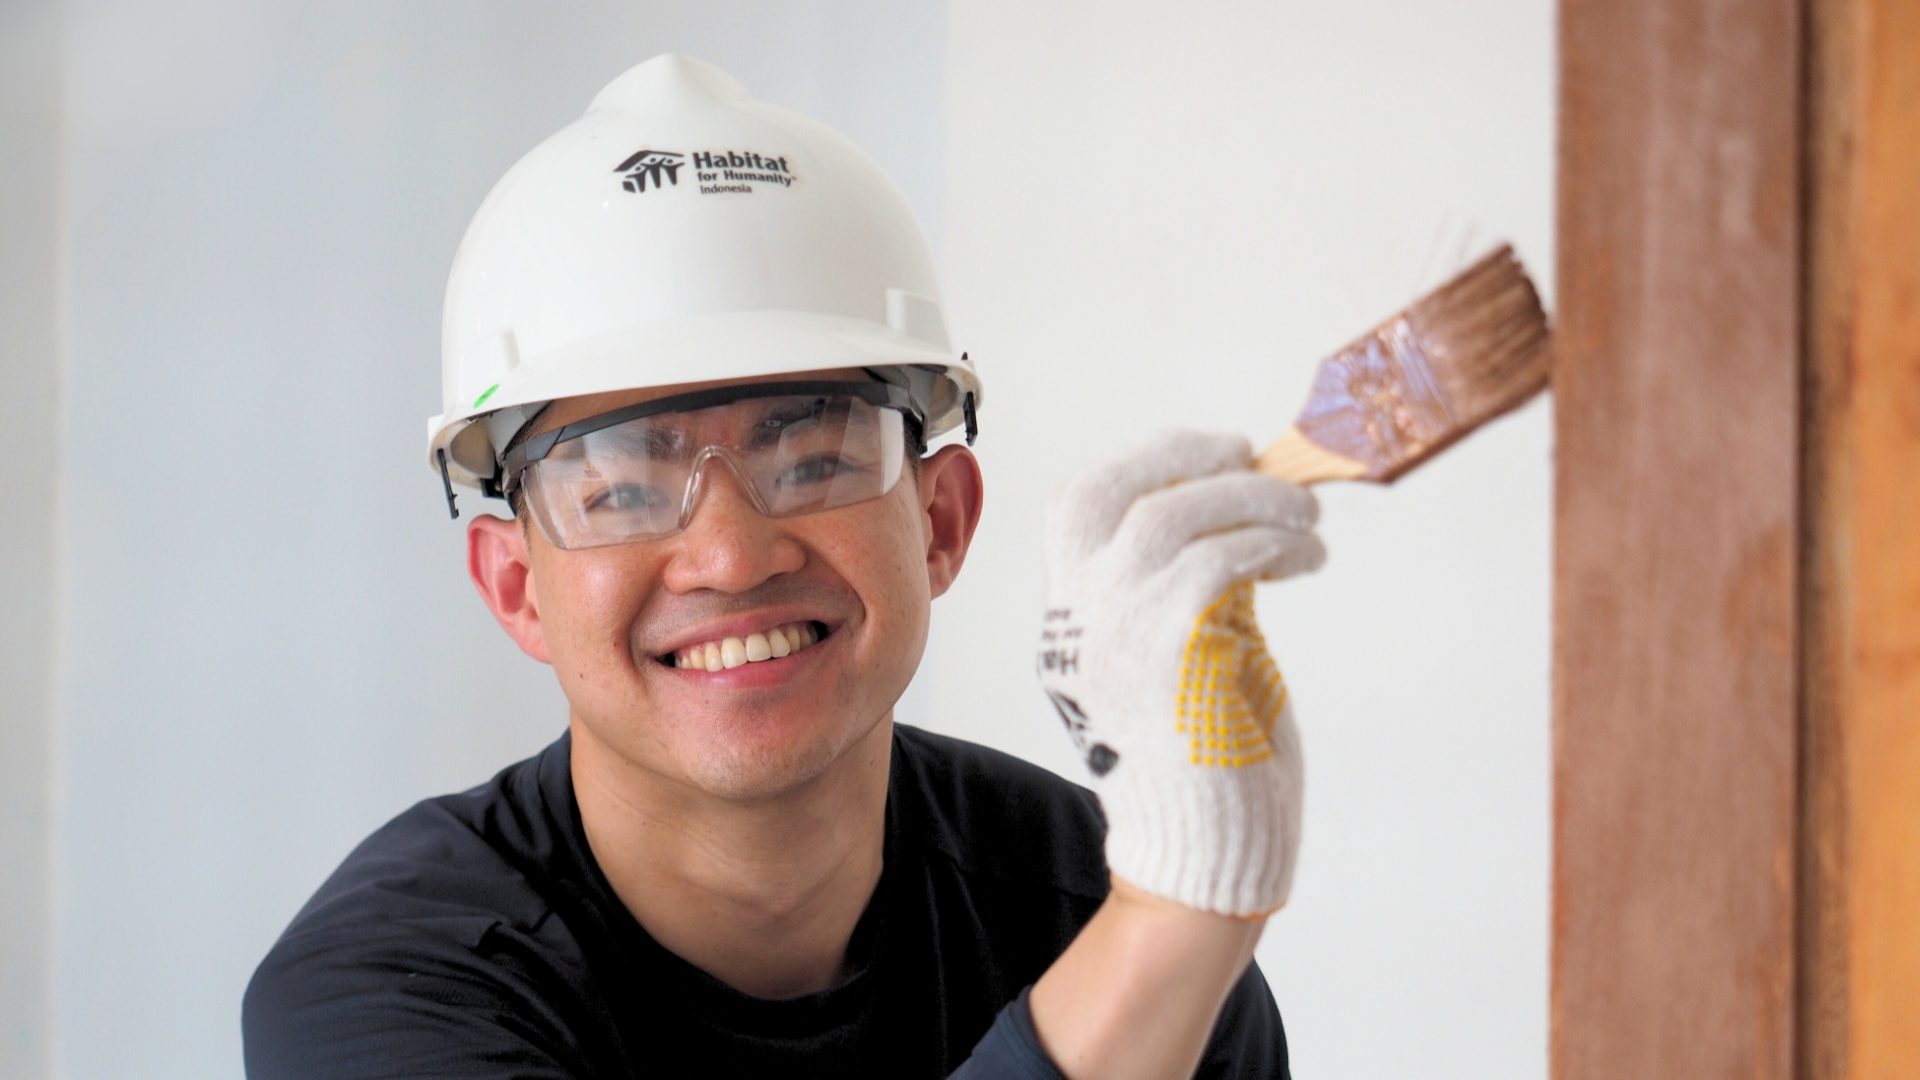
636,473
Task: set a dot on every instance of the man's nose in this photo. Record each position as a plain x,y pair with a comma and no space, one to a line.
728,544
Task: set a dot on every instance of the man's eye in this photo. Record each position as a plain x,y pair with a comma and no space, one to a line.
815,470
626,498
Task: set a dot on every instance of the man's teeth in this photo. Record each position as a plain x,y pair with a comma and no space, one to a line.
732,652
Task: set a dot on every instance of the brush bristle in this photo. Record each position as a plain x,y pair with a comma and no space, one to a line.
1485,338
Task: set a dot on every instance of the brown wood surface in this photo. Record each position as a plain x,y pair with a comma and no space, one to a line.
1859,995
1677,401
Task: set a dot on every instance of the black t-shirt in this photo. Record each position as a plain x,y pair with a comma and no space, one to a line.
475,936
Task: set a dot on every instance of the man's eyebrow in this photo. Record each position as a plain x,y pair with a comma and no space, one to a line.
666,444
779,416
661,444
791,412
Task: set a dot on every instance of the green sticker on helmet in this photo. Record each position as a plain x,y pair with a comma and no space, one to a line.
482,399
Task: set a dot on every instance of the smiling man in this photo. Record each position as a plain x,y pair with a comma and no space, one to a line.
694,341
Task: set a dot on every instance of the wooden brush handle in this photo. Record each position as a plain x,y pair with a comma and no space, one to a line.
1294,457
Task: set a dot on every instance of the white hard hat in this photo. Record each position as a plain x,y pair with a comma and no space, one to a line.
682,232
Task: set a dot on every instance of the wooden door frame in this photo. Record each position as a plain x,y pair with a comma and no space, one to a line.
1737,553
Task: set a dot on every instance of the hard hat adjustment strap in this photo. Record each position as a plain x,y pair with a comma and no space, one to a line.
453,510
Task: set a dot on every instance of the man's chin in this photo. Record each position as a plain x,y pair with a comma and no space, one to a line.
752,768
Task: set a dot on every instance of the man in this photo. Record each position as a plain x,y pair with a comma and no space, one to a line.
693,340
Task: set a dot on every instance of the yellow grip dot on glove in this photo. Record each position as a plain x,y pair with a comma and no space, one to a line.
1230,689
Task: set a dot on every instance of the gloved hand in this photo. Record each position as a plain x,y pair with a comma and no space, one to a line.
1150,652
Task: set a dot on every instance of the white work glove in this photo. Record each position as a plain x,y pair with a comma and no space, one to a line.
1150,651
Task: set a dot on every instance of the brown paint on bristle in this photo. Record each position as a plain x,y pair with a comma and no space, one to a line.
1472,349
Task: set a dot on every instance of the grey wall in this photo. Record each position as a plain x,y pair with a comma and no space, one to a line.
270,643
30,369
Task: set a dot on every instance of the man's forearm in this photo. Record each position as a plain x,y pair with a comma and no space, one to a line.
1137,993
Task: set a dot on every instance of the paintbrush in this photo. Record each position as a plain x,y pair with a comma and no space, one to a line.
1463,354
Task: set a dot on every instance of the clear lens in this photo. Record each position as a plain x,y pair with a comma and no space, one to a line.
639,480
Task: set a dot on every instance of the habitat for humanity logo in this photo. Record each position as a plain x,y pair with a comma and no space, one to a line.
719,171
648,166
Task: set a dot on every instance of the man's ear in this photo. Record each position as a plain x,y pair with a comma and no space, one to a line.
951,493
498,562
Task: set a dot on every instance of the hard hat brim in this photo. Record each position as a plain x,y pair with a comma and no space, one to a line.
686,351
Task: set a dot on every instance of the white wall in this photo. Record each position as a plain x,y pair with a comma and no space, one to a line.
1163,214
270,645
30,369
1145,216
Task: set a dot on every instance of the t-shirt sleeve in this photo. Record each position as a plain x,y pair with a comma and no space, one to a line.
1010,1050
320,1010
1247,1042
